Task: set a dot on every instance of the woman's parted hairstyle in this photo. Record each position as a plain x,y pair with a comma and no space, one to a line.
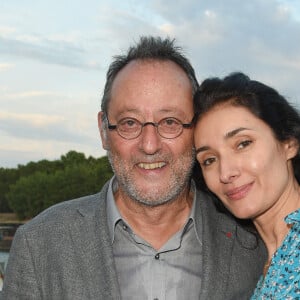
262,100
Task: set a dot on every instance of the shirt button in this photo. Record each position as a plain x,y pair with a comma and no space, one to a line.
124,227
156,257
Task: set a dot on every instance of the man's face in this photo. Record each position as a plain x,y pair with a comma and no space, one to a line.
150,169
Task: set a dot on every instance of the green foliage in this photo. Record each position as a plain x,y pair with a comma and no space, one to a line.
26,196
7,177
45,183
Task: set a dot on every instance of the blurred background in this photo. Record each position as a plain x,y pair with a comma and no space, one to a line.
54,55
53,59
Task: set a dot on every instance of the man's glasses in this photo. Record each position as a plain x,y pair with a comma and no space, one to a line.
131,128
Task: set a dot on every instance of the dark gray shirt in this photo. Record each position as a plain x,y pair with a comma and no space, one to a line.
173,272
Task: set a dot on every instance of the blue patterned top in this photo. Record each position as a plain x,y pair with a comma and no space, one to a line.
282,279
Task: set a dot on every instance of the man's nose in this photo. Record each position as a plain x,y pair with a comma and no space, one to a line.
150,138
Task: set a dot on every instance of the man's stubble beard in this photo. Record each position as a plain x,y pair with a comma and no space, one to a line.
178,182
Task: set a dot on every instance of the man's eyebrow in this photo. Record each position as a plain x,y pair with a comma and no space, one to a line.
227,136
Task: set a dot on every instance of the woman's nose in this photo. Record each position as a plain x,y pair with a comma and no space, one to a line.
229,170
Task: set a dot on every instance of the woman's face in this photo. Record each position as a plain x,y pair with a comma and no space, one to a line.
242,162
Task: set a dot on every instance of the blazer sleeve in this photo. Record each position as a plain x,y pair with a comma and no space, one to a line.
20,281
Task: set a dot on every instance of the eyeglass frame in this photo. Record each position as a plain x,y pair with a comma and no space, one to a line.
142,125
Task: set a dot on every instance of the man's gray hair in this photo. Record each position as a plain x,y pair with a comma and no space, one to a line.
147,48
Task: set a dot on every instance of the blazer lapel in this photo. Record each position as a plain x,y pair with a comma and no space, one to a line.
218,233
94,251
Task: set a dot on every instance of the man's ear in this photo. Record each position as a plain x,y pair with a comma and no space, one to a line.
291,148
102,130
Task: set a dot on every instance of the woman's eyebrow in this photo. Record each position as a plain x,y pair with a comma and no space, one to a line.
201,149
234,132
228,135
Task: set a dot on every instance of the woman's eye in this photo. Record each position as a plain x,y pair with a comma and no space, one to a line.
244,144
208,161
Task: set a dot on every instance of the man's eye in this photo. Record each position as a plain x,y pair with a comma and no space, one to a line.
169,122
128,123
244,144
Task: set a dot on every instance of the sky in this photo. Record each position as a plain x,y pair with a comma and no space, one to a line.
54,55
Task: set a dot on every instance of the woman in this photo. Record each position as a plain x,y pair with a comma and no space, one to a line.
247,140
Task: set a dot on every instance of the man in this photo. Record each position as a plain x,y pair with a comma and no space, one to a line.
149,234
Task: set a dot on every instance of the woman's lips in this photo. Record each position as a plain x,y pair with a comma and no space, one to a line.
239,192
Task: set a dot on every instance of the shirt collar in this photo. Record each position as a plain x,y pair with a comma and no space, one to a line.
114,216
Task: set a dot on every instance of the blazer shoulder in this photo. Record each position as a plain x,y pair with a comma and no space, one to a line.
68,211
212,209
216,217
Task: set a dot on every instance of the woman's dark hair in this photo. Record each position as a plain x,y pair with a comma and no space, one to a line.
262,100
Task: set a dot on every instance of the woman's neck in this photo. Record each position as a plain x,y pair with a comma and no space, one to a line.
271,224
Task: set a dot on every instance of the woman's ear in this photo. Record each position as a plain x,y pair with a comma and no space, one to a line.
291,148
102,130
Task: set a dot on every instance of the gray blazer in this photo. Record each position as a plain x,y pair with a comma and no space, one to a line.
66,253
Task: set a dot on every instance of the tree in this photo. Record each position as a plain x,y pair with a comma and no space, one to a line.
74,176
7,177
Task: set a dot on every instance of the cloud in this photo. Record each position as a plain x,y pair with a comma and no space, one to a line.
29,94
122,23
218,36
10,158
47,51
37,119
5,66
41,127
21,151
235,23
6,30
261,38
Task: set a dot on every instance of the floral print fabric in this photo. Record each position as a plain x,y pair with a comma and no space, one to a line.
282,279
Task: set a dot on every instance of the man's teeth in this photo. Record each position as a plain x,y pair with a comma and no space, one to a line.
150,166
